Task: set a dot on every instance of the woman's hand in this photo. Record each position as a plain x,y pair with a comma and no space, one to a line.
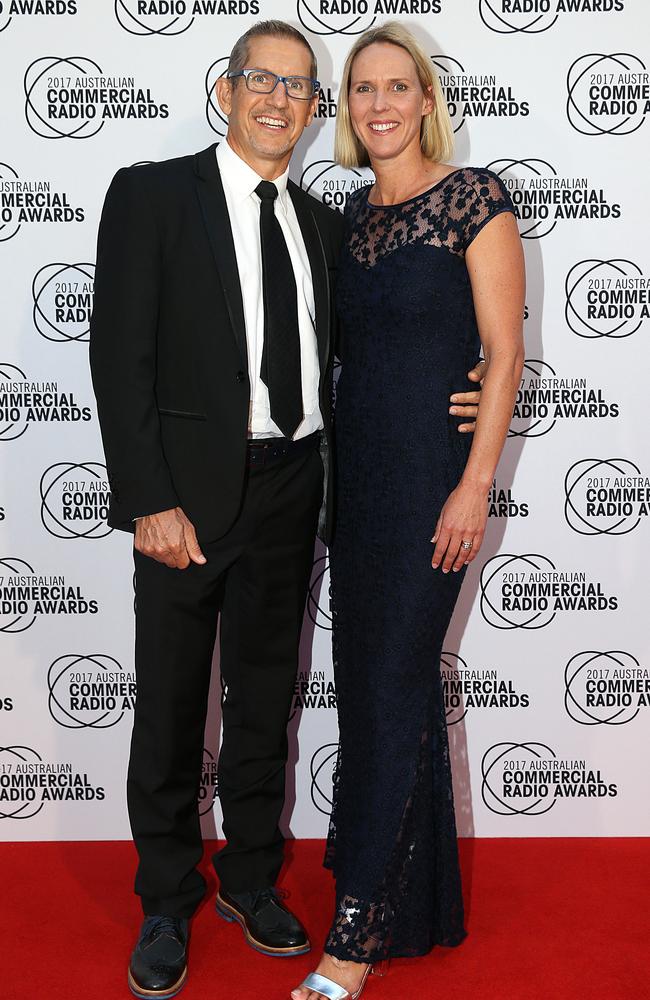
462,519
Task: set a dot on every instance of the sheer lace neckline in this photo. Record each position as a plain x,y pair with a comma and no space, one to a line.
422,194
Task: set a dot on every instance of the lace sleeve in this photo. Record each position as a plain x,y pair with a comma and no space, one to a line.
486,197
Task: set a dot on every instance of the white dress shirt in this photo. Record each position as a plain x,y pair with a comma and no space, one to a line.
239,183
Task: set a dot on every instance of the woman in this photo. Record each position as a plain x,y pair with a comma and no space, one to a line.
432,269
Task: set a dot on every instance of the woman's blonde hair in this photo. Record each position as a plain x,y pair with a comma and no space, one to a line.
436,132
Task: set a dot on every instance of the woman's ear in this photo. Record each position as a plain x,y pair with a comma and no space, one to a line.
428,102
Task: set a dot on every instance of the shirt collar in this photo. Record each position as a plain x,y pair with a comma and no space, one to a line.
240,179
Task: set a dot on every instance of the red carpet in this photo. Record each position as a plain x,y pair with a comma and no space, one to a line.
547,920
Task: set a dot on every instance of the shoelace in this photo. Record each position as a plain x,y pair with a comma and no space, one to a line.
263,896
163,925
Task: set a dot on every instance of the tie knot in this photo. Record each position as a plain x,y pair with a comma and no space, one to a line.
266,190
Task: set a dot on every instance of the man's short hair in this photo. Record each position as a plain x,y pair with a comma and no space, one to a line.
274,29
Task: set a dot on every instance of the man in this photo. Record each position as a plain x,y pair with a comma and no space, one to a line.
211,354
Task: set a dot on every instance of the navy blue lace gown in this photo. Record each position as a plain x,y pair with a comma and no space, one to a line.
409,337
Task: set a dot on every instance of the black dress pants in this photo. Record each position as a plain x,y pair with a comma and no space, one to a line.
257,578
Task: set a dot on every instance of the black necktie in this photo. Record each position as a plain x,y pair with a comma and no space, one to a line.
280,368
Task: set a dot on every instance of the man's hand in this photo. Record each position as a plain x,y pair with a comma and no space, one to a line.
168,537
467,403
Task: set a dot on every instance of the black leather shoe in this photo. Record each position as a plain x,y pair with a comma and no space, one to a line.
158,964
267,924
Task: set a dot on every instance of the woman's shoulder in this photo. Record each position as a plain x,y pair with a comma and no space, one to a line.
357,197
482,182
475,196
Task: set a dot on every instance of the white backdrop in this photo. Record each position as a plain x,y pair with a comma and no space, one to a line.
546,665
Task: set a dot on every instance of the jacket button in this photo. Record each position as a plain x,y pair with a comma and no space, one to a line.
240,377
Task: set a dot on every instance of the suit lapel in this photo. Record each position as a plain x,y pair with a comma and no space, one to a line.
217,223
319,271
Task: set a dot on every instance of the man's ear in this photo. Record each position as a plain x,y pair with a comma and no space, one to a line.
313,108
223,88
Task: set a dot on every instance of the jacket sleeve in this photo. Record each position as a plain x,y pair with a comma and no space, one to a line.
123,350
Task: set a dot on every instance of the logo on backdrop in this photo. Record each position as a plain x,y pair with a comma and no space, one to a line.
607,94
527,591
605,496
89,692
476,95
543,398
32,201
63,301
465,688
23,403
605,688
6,705
606,298
26,596
74,500
353,17
27,783
541,198
321,769
34,8
503,504
332,183
527,779
509,17
319,601
313,690
173,17
68,97
209,786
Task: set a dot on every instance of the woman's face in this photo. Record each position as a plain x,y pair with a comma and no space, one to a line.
386,100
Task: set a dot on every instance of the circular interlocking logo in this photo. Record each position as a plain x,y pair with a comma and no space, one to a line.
333,184
605,688
605,298
208,787
9,224
164,17
448,67
63,301
606,93
529,17
532,417
52,74
74,500
16,610
213,113
19,803
88,691
500,760
319,601
330,18
534,216
507,599
605,496
321,768
455,710
14,420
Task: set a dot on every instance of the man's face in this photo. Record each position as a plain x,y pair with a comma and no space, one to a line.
264,128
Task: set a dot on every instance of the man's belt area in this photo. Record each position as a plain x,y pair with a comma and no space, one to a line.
263,452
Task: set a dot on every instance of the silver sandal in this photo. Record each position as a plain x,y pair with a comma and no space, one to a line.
331,990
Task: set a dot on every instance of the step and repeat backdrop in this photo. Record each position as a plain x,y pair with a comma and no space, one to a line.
546,666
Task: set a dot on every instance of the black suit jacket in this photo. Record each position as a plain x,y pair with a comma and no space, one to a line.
168,342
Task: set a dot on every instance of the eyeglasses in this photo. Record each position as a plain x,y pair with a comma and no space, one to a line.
261,81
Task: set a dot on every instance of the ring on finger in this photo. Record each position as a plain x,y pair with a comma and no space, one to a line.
466,545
